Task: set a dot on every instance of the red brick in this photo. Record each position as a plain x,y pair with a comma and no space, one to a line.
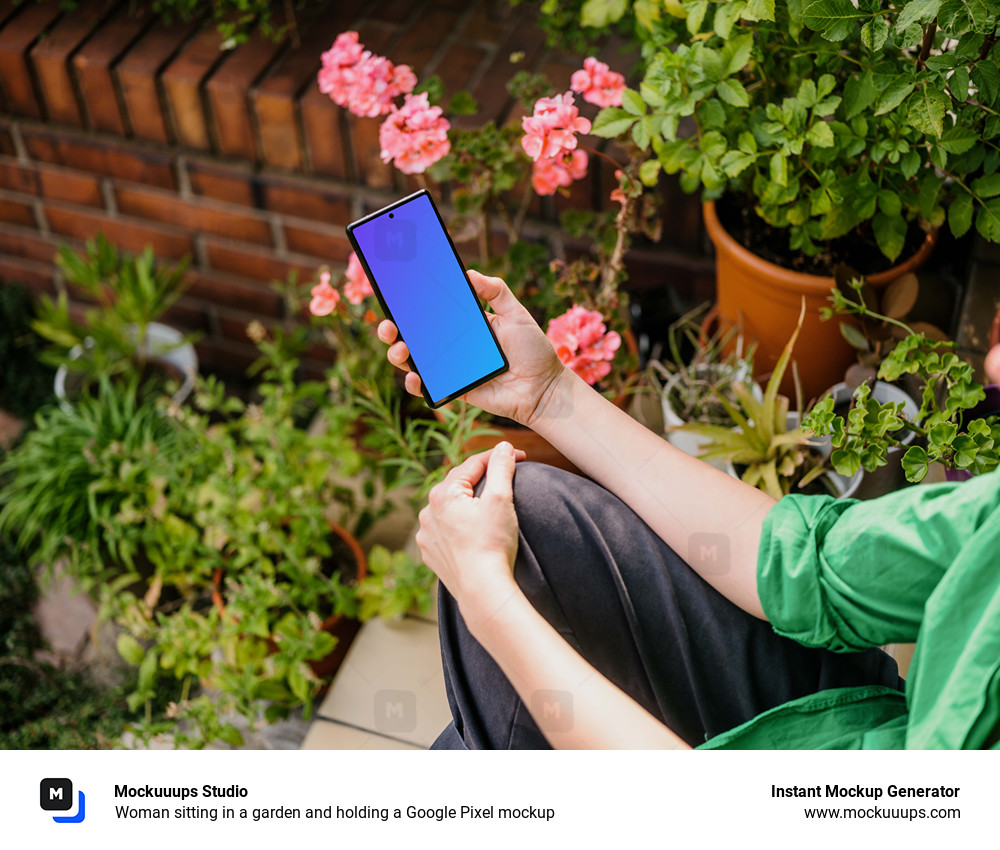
367,152
326,243
188,314
421,41
244,261
201,217
229,359
233,323
323,124
94,62
50,55
15,39
181,81
136,74
167,242
6,140
226,90
307,202
26,244
128,163
458,66
491,90
232,186
224,289
16,212
487,22
63,185
36,276
16,177
397,11
274,98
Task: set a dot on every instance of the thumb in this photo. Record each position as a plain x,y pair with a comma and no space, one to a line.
500,472
495,291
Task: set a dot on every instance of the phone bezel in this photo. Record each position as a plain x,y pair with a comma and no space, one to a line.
388,313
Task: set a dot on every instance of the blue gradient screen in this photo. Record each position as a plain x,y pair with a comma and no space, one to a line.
414,267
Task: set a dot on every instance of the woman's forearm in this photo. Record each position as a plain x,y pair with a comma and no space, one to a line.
574,706
710,519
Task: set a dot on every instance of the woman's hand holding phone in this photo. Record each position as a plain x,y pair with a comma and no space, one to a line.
519,393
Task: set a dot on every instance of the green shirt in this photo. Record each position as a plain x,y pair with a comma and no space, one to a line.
921,564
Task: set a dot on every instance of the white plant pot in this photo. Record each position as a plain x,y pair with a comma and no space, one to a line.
689,443
163,343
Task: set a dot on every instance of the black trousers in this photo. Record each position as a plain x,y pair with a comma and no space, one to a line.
634,609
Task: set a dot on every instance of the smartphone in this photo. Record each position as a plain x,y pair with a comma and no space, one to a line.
424,289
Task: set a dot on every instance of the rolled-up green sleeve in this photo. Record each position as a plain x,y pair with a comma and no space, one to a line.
847,575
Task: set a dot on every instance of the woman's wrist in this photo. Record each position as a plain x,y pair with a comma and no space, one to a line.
555,400
494,588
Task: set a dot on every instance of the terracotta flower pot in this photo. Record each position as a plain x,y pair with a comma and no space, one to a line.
768,299
342,628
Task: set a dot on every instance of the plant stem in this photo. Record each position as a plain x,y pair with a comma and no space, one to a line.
926,45
601,154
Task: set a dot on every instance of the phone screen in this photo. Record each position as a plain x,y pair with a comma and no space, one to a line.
423,288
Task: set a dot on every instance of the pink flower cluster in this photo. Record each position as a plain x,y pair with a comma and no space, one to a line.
360,81
547,175
598,84
415,136
551,130
583,342
324,297
357,287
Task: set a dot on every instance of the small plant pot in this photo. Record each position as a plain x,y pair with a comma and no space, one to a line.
989,406
164,349
344,629
687,442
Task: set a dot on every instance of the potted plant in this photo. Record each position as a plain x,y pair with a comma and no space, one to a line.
824,131
690,386
121,335
950,433
769,448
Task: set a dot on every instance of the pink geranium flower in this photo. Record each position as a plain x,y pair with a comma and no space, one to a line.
598,84
360,81
551,130
617,194
547,175
415,136
357,287
583,342
324,297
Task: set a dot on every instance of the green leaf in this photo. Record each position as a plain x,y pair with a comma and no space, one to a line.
859,93
986,187
987,80
640,135
958,139
633,102
130,649
835,20
759,10
846,461
927,112
695,15
735,162
736,53
890,234
726,15
463,103
612,122
733,93
988,220
820,135
915,463
747,143
958,82
874,33
600,13
917,11
894,94
889,202
779,169
649,172
855,338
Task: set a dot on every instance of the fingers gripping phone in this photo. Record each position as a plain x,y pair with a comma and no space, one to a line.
424,290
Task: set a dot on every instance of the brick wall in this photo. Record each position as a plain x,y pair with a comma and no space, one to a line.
113,121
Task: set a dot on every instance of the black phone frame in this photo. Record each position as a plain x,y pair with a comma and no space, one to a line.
388,313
